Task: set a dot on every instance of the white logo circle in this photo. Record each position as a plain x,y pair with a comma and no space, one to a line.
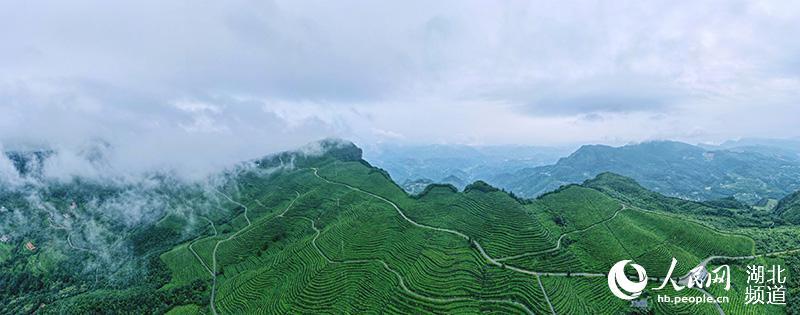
617,279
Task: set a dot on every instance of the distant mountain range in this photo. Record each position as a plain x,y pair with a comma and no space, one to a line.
781,148
458,165
747,172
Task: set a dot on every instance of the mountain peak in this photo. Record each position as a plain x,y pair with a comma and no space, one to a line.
338,148
669,145
314,153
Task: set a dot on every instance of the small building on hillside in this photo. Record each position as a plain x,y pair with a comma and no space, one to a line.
5,239
640,303
30,246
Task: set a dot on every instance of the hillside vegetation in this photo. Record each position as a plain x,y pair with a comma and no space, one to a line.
329,233
788,208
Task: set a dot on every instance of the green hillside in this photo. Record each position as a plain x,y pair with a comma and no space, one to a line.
722,213
329,233
788,208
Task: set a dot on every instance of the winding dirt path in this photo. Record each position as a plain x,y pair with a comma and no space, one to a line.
560,238
454,232
202,262
400,277
69,235
216,246
546,298
477,245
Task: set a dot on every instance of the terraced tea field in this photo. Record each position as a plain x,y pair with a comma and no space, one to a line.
307,234
341,237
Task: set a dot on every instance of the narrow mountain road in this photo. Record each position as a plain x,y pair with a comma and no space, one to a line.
400,277
477,245
69,236
216,246
287,208
560,238
457,233
546,298
400,212
202,262
213,227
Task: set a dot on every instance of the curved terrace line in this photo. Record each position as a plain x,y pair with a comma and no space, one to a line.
400,277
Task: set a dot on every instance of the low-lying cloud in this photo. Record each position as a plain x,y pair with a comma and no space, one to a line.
193,137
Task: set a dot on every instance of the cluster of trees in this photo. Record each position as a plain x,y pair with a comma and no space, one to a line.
24,292
480,186
137,300
153,238
431,187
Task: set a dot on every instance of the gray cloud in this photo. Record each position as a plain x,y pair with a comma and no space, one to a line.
191,135
186,83
618,94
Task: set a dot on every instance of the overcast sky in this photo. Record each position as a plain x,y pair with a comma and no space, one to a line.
228,79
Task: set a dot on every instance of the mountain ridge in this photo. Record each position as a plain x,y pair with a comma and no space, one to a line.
670,167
